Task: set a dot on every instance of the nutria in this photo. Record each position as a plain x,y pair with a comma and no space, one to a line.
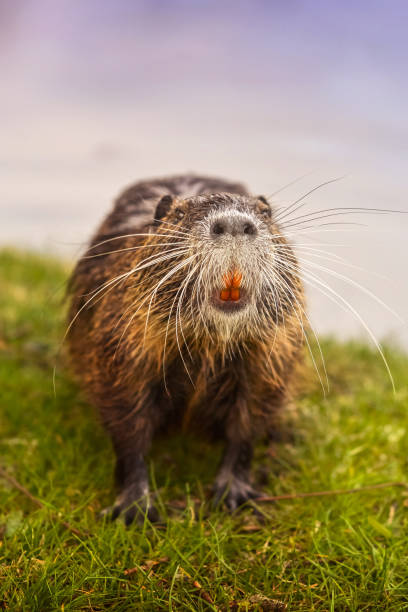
187,308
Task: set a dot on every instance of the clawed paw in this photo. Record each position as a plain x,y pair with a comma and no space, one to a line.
130,506
233,492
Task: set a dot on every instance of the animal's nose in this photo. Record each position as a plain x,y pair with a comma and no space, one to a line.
233,226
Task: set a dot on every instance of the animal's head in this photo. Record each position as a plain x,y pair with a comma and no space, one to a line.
227,270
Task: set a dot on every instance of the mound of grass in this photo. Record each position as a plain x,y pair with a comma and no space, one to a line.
345,552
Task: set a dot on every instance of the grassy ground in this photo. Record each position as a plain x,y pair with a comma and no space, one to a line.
348,552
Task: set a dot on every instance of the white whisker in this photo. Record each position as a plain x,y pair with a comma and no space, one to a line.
142,246
301,199
293,296
325,289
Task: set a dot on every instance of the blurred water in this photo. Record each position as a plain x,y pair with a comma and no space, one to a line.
96,95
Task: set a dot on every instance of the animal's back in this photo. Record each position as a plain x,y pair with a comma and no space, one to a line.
135,207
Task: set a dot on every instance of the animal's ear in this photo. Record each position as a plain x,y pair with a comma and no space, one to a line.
264,208
162,208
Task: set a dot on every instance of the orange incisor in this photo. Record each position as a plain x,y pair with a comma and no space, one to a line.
232,284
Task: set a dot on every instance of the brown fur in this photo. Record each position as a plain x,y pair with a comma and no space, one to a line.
138,388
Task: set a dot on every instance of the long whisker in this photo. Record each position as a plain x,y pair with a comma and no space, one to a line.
151,295
165,341
350,281
334,258
342,223
309,250
111,284
184,285
173,225
276,298
296,180
318,217
134,235
148,294
152,259
304,231
366,327
198,290
292,294
345,210
312,279
292,206
134,248
160,283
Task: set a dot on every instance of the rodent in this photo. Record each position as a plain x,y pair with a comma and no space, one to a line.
187,308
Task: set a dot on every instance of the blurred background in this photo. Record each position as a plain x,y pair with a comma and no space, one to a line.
98,94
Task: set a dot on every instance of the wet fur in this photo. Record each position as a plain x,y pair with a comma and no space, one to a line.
227,376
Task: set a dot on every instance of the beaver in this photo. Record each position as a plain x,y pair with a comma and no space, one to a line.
187,309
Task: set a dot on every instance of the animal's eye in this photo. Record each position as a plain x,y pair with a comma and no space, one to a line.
179,213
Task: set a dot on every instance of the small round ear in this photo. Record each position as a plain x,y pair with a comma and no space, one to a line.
162,208
265,211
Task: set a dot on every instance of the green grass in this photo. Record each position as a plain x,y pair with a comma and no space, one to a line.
347,552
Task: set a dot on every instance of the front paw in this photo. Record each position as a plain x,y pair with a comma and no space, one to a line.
233,492
132,503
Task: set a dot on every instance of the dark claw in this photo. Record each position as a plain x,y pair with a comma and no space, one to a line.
233,493
116,510
137,512
131,506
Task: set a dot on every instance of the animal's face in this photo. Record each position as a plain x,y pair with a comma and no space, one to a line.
240,274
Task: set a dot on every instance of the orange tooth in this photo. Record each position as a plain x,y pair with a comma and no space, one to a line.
225,295
227,278
235,294
236,280
232,279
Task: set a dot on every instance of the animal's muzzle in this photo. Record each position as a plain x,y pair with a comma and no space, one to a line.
229,225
